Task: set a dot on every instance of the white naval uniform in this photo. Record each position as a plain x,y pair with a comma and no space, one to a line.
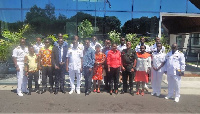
174,62
93,45
74,56
37,47
156,76
120,47
80,46
137,48
22,80
153,48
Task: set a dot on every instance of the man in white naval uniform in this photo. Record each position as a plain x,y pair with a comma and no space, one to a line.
94,42
153,48
158,61
18,57
80,45
175,67
74,66
38,45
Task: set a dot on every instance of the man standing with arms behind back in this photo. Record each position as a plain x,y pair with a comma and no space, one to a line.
128,68
59,53
18,58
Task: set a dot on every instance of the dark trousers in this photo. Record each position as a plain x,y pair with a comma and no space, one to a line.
125,75
107,79
47,71
88,78
114,78
60,77
32,75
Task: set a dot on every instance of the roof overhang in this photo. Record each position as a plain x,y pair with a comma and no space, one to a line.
196,3
181,22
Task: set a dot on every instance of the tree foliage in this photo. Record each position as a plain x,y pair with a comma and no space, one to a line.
114,36
85,29
11,40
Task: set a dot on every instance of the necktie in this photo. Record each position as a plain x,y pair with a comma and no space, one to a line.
60,53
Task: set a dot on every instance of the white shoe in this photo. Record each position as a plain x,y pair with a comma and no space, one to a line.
168,97
152,94
20,94
78,92
145,86
71,91
176,99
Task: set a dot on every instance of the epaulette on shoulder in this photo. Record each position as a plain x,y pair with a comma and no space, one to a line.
18,47
180,51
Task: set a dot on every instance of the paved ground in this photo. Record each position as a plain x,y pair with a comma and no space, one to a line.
96,103
102,102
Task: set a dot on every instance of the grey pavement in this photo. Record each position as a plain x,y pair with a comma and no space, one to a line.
101,102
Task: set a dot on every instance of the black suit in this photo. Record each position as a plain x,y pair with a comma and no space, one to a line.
59,73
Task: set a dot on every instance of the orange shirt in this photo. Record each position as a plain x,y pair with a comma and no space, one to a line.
45,55
114,58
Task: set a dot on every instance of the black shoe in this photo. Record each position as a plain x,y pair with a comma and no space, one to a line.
122,91
56,92
43,91
87,93
29,93
37,91
131,92
63,91
51,90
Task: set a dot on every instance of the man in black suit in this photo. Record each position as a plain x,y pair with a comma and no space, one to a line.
59,53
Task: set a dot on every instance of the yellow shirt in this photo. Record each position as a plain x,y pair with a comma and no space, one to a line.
32,62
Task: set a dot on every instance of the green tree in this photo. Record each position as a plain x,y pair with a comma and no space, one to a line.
11,41
85,29
114,36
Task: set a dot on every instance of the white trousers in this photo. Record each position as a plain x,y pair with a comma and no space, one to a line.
174,83
22,80
156,80
72,74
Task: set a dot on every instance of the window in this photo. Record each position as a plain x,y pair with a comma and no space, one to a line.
10,4
146,5
64,4
119,5
31,3
176,6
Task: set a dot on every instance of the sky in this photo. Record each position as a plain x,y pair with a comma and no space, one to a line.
10,10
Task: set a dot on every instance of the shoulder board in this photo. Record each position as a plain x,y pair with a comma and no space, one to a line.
179,51
18,47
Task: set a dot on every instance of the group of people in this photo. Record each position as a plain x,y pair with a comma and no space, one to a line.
97,63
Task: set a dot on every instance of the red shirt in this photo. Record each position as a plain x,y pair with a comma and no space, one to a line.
114,58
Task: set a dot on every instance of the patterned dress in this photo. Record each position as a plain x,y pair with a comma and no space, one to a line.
45,55
98,68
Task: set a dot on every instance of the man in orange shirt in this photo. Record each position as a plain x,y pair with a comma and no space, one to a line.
45,62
